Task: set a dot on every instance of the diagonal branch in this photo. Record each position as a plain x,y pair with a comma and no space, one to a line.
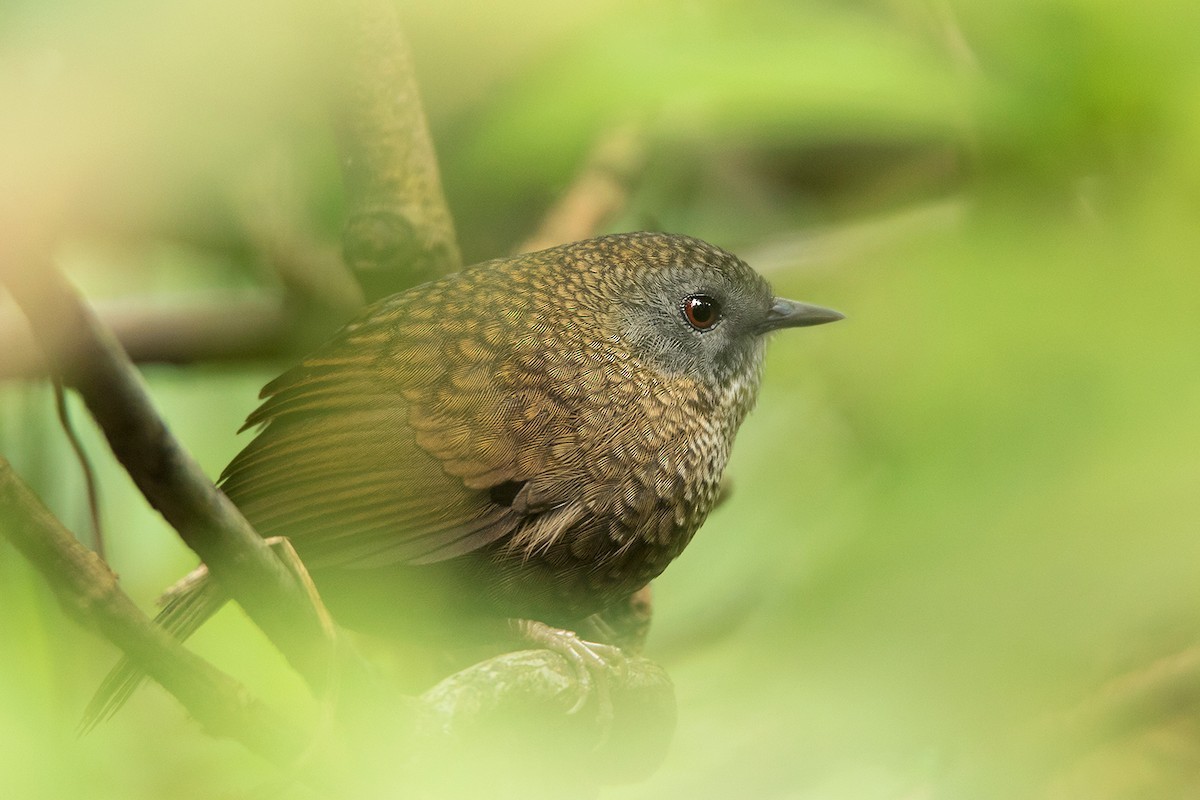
89,591
598,194
88,359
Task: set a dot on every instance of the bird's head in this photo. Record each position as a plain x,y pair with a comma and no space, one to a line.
694,310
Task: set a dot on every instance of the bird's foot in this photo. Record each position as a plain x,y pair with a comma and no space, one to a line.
594,664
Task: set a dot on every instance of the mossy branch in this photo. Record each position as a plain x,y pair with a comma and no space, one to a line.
399,231
88,590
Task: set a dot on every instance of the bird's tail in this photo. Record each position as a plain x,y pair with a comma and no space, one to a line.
186,606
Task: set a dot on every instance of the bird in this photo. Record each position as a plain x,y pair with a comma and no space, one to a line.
533,438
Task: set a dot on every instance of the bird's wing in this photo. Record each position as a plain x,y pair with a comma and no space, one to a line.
417,434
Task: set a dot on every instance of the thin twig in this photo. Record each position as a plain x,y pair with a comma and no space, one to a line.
221,327
85,464
598,193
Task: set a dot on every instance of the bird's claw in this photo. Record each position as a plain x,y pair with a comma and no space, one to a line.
594,664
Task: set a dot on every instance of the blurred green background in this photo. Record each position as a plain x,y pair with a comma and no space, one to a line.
960,510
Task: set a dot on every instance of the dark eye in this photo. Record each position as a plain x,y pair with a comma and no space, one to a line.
701,311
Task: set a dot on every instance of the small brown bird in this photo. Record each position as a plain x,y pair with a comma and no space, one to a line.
534,438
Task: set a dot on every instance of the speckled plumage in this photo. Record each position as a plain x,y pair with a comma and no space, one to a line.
503,415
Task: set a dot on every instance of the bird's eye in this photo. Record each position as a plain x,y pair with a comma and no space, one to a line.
701,311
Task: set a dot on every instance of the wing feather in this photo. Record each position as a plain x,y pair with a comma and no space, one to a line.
383,445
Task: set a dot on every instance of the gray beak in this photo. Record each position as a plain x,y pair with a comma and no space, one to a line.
791,314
